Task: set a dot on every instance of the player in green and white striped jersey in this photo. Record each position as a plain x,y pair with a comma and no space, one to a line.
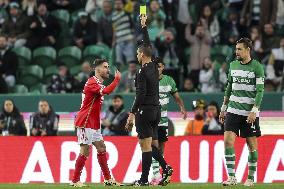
167,88
242,101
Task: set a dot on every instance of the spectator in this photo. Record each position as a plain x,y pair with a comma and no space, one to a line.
29,7
232,29
200,48
195,126
8,63
105,33
258,12
156,20
280,14
11,121
115,119
274,69
126,85
212,126
123,34
188,86
270,85
165,43
223,76
3,11
45,28
70,5
210,21
63,82
16,26
235,5
269,39
183,18
84,75
45,121
206,77
255,36
94,8
85,31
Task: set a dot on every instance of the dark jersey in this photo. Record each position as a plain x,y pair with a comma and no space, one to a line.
146,81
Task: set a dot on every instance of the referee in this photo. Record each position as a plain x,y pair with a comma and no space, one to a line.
146,111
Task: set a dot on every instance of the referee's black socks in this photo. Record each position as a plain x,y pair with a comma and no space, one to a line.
158,156
146,164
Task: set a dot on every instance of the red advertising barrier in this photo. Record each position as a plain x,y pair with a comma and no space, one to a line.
196,159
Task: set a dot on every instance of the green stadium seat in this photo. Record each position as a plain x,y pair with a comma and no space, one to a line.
62,15
75,70
20,89
49,71
70,55
221,53
24,55
96,51
31,75
75,16
44,56
39,88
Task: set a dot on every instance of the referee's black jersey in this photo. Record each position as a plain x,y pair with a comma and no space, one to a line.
146,81
147,86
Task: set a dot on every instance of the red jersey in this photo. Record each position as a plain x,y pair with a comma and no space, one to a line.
92,100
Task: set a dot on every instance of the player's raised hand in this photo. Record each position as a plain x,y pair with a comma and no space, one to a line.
143,18
117,75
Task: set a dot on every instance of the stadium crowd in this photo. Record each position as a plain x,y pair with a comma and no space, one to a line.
45,121
47,45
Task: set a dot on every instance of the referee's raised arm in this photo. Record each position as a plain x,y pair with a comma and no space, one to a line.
146,39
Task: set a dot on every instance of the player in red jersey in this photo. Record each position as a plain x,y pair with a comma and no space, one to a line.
87,121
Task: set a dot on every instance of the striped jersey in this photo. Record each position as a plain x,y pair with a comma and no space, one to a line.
121,23
245,87
167,87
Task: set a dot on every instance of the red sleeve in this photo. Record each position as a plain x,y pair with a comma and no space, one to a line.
92,87
110,87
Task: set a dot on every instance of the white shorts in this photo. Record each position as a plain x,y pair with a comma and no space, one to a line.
88,135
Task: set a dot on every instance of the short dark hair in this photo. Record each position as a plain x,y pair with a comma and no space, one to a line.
117,96
246,41
146,50
98,62
158,60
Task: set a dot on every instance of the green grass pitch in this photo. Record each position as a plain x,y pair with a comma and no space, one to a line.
170,186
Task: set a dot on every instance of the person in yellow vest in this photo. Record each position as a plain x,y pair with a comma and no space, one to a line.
194,127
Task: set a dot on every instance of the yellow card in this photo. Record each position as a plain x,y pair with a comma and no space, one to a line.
143,10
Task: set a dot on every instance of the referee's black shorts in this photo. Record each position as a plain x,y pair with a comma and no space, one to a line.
146,121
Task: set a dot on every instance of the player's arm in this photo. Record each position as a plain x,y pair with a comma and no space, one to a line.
259,75
110,88
146,39
259,88
180,103
140,92
228,91
227,95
